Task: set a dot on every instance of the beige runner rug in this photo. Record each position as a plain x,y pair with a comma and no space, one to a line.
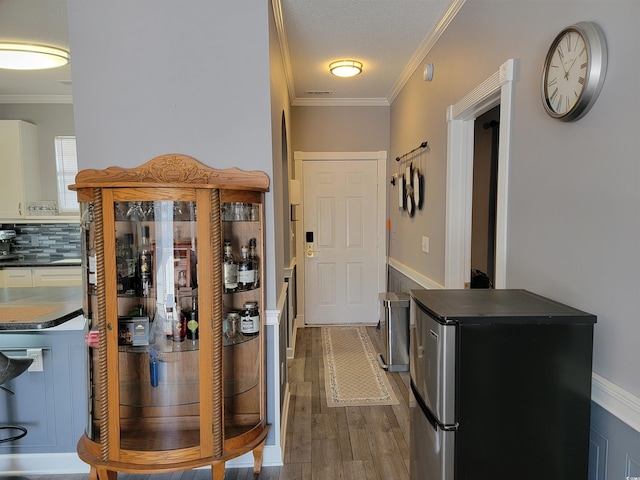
352,374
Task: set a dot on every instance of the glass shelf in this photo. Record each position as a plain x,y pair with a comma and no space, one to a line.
239,339
237,292
166,394
234,388
163,347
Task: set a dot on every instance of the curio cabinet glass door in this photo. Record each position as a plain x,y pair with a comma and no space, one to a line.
173,273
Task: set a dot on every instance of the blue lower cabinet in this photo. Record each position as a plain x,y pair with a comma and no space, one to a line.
50,404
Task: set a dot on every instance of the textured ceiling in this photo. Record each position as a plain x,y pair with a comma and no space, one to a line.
390,37
384,35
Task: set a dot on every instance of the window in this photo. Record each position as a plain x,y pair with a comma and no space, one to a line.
66,170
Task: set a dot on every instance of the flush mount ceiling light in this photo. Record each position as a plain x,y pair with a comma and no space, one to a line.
345,68
22,56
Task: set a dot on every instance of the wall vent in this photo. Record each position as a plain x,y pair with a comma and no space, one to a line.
318,92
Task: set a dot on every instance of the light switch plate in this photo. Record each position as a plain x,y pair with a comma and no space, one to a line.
425,244
36,354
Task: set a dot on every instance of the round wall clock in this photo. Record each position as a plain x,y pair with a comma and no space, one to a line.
574,71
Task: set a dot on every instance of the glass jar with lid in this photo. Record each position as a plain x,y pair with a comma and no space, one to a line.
250,319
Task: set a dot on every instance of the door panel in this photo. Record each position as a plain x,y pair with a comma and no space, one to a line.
340,202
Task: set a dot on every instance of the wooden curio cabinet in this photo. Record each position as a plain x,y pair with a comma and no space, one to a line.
175,353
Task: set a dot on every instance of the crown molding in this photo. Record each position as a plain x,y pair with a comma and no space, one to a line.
36,99
426,46
284,47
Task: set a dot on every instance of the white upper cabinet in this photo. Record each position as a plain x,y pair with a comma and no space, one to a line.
19,166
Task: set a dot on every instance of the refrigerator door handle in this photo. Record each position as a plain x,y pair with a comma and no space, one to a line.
435,423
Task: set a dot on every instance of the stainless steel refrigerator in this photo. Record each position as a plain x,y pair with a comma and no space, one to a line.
501,386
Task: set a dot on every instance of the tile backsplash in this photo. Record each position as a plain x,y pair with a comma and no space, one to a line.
45,240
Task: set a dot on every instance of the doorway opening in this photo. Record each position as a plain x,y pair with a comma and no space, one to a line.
496,91
484,202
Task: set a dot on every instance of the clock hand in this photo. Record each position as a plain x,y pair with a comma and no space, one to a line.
561,56
572,64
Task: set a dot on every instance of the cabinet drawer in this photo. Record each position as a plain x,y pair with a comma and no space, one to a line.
17,277
57,277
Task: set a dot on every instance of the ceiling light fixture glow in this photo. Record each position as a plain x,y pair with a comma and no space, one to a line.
345,68
22,56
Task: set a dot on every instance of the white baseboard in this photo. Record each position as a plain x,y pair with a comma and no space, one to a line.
68,463
298,322
284,417
42,463
271,457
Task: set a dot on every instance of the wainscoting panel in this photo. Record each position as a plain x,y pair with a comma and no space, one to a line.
618,447
598,446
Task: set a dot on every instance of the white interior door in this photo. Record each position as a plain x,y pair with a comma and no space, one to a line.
340,234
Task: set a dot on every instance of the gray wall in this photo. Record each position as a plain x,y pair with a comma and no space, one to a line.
340,129
151,78
574,202
52,120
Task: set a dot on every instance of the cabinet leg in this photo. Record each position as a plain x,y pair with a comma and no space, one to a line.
217,471
102,474
257,457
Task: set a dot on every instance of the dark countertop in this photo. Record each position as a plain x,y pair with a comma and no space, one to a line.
38,307
40,262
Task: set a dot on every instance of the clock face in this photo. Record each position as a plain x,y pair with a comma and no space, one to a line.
566,72
574,71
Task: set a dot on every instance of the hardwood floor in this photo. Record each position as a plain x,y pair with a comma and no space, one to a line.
324,443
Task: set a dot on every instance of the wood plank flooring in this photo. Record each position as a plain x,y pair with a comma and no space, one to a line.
324,443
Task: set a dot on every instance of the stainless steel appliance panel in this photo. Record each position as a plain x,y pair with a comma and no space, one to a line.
432,448
521,368
433,370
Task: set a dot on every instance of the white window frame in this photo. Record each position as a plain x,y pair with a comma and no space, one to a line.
66,170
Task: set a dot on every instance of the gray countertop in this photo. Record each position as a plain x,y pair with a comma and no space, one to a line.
38,307
40,262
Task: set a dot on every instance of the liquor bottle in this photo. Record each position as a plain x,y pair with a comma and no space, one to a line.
246,274
192,320
89,249
93,267
145,261
169,316
255,260
129,256
121,268
230,269
179,324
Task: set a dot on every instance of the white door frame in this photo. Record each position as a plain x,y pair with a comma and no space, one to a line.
380,158
496,90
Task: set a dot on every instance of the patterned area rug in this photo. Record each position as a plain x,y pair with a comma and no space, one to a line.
352,374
